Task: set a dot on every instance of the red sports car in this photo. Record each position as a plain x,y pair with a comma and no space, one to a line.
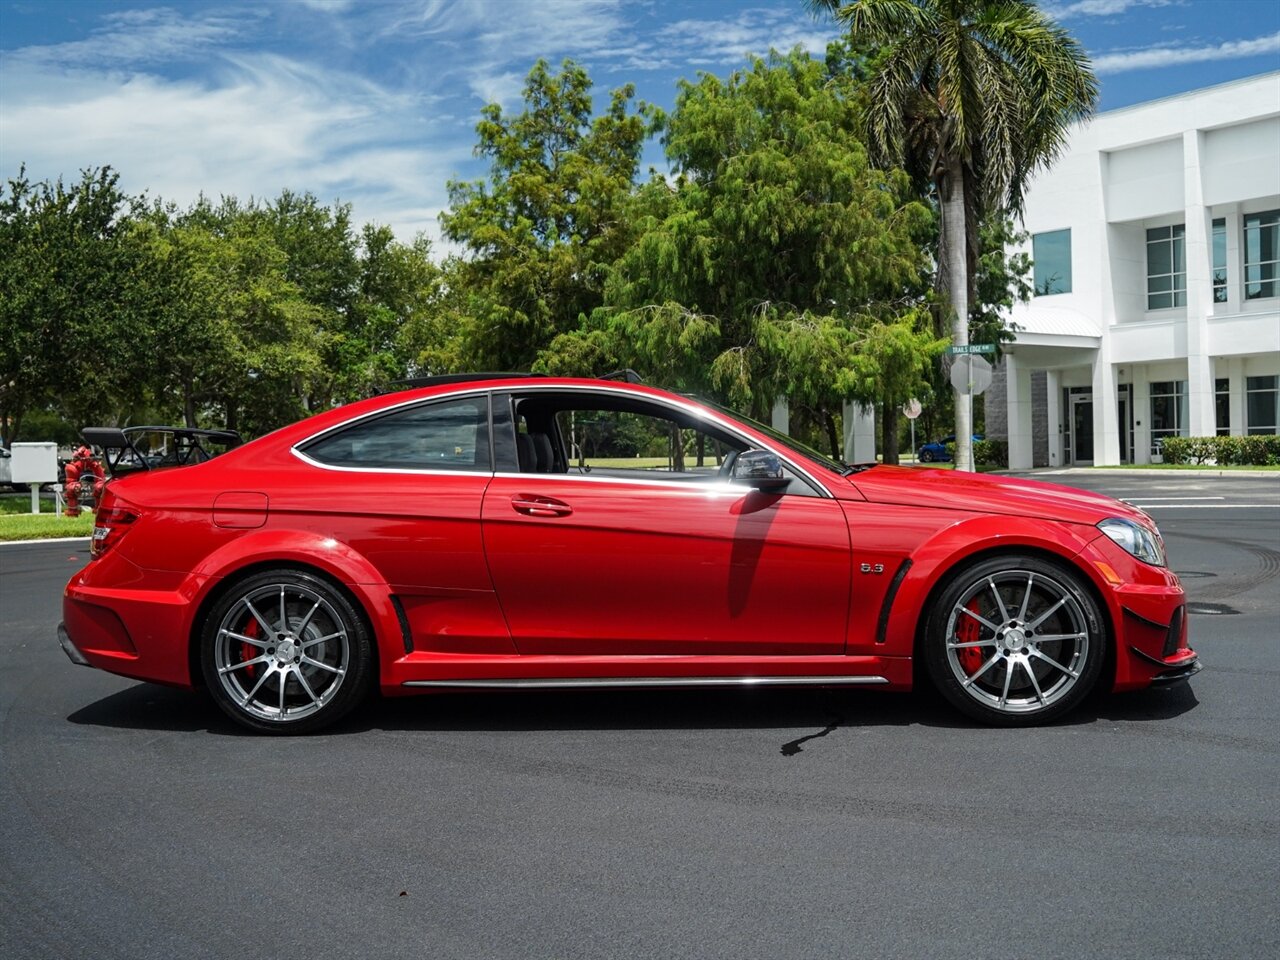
503,531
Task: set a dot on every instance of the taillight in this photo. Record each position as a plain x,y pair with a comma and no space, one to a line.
109,525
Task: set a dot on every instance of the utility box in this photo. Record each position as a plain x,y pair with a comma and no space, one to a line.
34,463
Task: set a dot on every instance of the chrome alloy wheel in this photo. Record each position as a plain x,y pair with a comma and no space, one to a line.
1017,641
281,652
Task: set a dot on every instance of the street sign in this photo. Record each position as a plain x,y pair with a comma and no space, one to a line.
911,409
970,374
971,348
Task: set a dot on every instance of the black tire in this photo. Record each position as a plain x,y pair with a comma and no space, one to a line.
926,455
1015,641
285,652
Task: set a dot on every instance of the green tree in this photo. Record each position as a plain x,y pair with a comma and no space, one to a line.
541,233
972,97
398,300
231,338
767,265
68,311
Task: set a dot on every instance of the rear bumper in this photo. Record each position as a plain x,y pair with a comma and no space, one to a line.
136,633
69,648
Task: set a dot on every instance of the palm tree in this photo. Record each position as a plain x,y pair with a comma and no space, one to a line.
971,97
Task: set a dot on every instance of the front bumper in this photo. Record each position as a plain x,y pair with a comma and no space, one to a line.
1149,612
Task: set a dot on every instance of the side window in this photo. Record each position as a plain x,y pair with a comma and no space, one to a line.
619,442
446,435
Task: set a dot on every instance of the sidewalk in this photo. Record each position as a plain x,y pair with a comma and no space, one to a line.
1136,472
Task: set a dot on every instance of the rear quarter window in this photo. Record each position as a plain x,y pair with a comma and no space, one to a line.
445,435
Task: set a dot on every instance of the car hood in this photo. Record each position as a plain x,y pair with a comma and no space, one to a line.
927,487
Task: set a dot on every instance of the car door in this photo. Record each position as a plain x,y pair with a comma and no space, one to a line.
649,561
403,488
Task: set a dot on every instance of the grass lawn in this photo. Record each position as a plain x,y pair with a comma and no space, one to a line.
981,468
17,522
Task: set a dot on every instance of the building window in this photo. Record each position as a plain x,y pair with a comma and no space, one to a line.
1168,411
1222,406
1219,265
1051,256
1262,404
1167,267
1261,254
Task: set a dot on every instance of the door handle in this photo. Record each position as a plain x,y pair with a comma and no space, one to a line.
540,506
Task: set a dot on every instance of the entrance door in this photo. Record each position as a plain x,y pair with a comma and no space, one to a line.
1082,429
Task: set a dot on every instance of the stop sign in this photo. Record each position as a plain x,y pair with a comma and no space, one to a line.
970,373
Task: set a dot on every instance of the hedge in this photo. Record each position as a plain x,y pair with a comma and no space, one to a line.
1261,450
991,453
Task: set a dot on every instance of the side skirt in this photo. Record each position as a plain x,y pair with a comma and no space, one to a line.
565,683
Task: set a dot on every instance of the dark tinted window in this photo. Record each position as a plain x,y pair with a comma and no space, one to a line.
448,435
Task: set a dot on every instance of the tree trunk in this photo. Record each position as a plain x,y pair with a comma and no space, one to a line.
889,431
833,435
953,255
188,404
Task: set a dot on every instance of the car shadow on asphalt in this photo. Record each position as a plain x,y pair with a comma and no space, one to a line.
148,706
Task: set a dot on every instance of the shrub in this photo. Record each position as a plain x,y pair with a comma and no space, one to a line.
1224,451
991,452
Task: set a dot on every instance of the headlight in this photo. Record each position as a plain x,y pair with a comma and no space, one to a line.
1143,542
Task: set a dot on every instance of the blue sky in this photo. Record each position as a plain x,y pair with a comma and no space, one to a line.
374,102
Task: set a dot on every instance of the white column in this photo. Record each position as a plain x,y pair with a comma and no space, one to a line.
1018,398
1053,396
1199,291
1140,397
781,417
1106,419
859,433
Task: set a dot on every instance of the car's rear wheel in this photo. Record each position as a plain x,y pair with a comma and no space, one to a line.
926,455
1015,641
283,651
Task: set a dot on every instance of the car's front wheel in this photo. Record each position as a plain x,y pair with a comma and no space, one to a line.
1015,641
926,455
283,651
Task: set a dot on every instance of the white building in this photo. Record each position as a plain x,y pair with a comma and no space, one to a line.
1156,240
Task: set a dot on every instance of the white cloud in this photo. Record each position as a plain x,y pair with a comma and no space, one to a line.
504,89
261,124
183,101
1098,8
752,31
327,6
510,31
1169,56
136,37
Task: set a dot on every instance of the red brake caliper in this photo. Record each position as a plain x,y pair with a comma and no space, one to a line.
968,630
248,651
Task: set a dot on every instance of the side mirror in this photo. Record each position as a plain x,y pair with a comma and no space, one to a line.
759,469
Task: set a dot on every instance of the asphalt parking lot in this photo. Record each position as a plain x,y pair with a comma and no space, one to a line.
136,822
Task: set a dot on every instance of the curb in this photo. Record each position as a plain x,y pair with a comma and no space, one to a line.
1122,472
20,543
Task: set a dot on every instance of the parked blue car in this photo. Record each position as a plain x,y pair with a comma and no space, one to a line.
937,449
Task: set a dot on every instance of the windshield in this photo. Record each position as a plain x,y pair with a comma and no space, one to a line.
792,444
